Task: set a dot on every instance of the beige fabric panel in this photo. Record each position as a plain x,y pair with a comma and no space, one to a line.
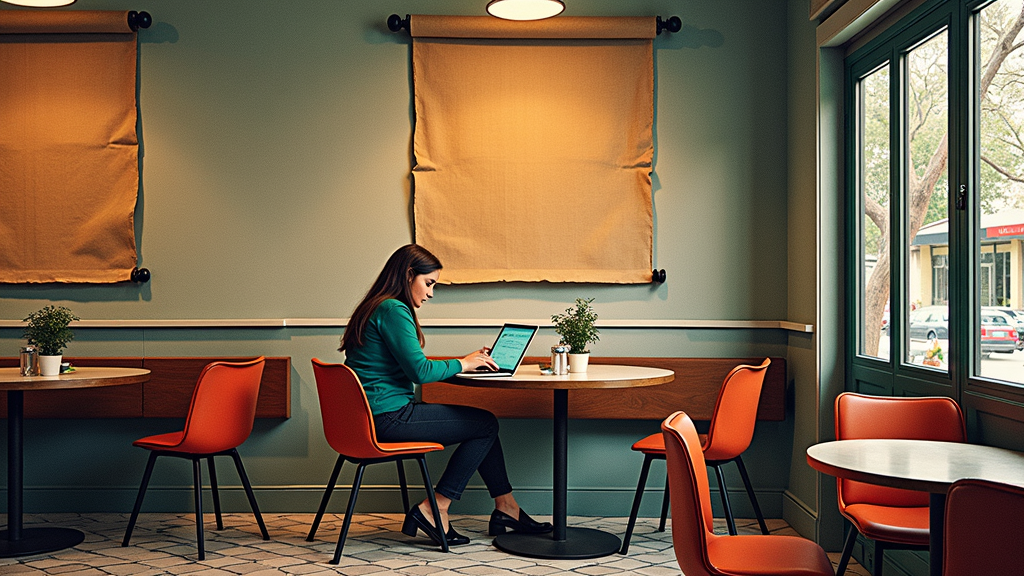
69,174
533,159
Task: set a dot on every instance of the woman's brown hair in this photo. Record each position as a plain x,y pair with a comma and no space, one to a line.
393,281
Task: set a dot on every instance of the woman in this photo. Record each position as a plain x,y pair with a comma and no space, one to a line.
383,344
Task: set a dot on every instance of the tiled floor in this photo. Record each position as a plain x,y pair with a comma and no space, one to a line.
165,544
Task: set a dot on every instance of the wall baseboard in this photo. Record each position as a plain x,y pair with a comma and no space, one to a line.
799,516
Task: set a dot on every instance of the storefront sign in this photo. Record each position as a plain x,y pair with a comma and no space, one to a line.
1012,230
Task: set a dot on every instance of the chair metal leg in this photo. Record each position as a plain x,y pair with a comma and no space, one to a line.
197,487
429,487
844,558
750,493
348,513
215,492
664,510
249,493
730,522
640,485
879,558
401,482
139,498
327,498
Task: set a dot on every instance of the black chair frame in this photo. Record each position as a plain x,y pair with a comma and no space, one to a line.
361,464
880,548
197,487
719,473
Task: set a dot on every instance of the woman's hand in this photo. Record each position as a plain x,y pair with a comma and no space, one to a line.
479,359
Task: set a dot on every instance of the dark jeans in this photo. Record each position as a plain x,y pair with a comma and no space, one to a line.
473,429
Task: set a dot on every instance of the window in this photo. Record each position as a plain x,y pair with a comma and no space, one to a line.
995,30
935,178
995,280
940,279
873,142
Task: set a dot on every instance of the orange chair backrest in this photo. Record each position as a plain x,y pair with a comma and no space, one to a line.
692,524
983,529
348,420
732,422
860,416
223,407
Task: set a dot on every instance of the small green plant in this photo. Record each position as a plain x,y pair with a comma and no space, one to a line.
48,329
576,326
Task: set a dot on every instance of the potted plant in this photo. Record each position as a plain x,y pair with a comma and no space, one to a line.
576,329
48,330
933,357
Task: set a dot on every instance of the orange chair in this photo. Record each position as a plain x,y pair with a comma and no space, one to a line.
701,552
892,517
349,429
983,529
732,428
219,419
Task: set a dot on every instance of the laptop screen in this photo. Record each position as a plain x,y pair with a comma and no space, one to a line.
510,347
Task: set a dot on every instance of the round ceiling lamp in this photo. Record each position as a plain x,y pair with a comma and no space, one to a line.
40,3
525,9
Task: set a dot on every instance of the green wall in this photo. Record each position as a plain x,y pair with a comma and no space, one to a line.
275,182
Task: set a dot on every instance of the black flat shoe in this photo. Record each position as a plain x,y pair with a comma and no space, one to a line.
501,521
414,519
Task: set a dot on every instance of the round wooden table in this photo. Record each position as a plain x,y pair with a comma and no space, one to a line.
564,542
922,465
15,540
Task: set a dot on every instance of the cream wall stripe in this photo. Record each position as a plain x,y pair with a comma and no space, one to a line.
428,323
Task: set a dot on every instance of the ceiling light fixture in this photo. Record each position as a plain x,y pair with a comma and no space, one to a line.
40,3
525,9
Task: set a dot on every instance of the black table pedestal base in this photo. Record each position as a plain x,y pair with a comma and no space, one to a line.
579,544
38,540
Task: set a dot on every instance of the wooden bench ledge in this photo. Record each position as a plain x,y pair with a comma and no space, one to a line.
168,393
695,390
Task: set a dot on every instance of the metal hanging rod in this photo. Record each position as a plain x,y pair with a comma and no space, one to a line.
396,23
138,20
673,24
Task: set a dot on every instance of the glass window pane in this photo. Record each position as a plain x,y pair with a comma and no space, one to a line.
873,179
999,326
925,125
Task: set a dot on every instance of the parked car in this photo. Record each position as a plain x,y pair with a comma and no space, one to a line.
929,322
1016,319
998,332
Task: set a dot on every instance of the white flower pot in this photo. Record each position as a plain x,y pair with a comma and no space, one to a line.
49,365
578,362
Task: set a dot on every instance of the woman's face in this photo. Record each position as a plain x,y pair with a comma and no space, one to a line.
422,287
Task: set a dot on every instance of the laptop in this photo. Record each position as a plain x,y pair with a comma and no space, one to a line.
507,351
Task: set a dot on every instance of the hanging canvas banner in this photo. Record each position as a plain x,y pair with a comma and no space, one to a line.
69,152
533,147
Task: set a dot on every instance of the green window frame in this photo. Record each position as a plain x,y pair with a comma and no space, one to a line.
945,260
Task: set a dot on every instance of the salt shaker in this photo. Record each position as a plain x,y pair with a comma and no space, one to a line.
29,361
560,359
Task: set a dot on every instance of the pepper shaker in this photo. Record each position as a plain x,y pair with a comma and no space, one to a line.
560,359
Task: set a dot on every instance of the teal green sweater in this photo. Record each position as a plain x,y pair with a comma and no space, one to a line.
390,360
